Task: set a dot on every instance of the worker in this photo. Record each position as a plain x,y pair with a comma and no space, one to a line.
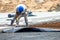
21,10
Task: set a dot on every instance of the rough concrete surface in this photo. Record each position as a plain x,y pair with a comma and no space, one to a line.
30,36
